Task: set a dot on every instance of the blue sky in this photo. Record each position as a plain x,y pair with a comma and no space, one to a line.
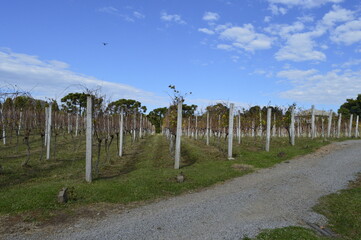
247,52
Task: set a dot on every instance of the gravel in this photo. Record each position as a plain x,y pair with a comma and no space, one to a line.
269,198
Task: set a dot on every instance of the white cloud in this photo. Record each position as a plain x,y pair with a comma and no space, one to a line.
276,10
352,62
206,31
306,18
295,74
127,15
330,88
211,16
284,30
138,15
246,38
164,16
53,79
303,3
110,10
300,47
267,19
336,15
224,47
347,33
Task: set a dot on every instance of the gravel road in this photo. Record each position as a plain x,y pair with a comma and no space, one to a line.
269,198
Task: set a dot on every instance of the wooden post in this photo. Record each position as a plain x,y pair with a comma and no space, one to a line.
268,133
207,129
178,136
292,126
339,125
230,132
356,128
121,126
322,127
89,126
48,136
313,130
350,126
329,124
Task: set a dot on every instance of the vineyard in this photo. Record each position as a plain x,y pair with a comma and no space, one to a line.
129,155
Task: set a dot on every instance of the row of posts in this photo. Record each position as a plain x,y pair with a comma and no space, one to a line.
268,130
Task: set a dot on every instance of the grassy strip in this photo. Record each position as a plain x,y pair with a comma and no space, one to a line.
144,173
343,210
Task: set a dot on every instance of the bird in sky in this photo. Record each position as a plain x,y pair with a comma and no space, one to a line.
105,43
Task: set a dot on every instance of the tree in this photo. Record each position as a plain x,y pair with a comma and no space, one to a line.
76,102
127,105
156,117
351,106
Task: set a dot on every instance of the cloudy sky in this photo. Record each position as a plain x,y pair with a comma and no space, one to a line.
248,52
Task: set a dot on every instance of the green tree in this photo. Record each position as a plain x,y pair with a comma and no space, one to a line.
351,106
156,117
76,102
127,105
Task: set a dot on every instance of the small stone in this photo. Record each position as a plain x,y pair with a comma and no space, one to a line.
63,195
180,178
281,154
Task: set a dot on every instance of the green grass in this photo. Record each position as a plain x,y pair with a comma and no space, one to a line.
343,210
145,172
287,233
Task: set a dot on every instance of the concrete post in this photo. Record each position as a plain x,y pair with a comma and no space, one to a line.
48,141
3,123
350,126
178,136
77,125
239,128
313,130
339,125
189,127
134,125
329,124
356,128
207,129
230,132
46,125
268,133
89,126
140,125
292,126
274,126
68,115
196,136
121,130
260,123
